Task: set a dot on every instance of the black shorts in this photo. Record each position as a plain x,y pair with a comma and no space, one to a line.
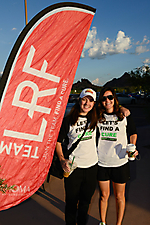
119,174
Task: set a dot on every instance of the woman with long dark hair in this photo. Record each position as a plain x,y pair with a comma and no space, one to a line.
81,183
113,164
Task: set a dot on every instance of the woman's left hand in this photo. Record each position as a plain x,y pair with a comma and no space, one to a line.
136,153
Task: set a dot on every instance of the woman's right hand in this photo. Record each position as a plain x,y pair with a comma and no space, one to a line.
63,161
64,165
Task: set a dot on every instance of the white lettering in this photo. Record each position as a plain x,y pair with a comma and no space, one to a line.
35,154
19,148
20,188
35,72
32,107
32,137
36,94
57,109
28,150
64,86
8,149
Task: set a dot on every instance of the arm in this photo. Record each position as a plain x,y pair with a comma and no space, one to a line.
133,139
132,132
124,111
62,135
63,161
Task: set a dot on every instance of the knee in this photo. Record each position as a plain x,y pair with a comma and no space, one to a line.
104,195
120,196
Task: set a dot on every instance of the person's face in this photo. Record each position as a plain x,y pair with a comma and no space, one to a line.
86,104
108,101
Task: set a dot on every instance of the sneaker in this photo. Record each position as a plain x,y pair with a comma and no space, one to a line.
102,223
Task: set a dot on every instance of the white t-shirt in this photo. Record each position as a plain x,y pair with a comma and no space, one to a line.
86,151
112,142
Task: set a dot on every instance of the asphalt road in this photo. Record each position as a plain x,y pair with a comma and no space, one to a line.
140,112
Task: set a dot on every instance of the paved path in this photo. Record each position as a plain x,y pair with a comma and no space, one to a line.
47,207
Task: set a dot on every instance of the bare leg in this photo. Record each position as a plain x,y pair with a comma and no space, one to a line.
119,192
104,195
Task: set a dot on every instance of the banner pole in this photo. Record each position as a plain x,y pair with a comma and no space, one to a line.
26,16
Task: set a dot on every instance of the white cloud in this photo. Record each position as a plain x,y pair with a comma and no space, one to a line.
96,48
137,43
1,74
97,82
146,61
144,42
89,41
14,28
122,42
141,49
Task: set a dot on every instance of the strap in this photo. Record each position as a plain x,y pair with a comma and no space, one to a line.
74,145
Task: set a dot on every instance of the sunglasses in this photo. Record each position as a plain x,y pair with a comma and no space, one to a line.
110,97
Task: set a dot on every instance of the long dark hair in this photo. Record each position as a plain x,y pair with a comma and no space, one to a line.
91,116
101,108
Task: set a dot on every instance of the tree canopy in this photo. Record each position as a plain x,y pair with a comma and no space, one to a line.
140,78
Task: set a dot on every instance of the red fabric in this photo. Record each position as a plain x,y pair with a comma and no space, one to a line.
25,156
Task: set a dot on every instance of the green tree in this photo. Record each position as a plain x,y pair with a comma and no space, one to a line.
140,78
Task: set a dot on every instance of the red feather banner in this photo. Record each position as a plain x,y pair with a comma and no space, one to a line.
34,91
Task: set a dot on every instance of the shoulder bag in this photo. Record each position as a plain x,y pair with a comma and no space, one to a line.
56,169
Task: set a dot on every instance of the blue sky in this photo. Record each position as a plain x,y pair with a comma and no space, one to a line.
118,41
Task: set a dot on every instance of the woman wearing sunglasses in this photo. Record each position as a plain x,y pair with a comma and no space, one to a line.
113,162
